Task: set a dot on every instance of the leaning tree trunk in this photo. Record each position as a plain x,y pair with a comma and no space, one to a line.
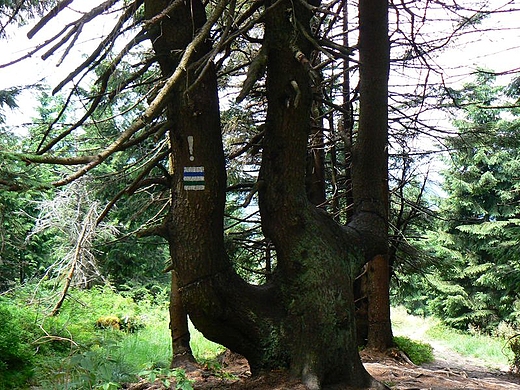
304,318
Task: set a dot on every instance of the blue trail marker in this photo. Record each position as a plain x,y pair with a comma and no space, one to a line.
194,178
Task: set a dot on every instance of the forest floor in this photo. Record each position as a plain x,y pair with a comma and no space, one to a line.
449,370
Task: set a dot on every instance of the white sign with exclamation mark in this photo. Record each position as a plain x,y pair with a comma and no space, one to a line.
190,147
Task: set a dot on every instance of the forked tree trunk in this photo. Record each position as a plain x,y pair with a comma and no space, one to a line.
316,258
303,319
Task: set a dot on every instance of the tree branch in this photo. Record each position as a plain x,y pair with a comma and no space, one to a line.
51,14
106,44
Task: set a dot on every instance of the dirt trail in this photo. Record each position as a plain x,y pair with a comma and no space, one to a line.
439,376
449,370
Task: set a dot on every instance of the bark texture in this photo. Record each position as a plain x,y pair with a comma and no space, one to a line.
220,304
316,258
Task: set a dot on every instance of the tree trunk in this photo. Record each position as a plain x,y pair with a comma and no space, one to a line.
380,335
370,175
316,183
316,260
303,318
220,304
182,355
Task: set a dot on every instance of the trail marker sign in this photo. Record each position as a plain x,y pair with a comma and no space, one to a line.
193,178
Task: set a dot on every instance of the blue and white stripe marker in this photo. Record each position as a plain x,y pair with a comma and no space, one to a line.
194,178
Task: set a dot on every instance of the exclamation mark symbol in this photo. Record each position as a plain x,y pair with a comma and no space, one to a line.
190,147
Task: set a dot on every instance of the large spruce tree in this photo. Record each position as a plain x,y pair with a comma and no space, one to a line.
477,286
303,318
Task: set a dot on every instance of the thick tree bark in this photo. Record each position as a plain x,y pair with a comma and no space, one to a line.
380,335
316,259
316,165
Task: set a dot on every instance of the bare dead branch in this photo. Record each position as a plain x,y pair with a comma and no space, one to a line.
138,182
188,52
74,32
51,14
37,48
253,142
38,159
106,44
75,260
164,13
125,83
157,130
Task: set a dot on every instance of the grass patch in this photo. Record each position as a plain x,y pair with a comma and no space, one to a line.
203,349
150,347
493,350
405,323
72,351
418,352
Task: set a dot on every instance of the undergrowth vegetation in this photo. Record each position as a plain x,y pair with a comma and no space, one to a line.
99,340
102,339
16,355
418,352
494,350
